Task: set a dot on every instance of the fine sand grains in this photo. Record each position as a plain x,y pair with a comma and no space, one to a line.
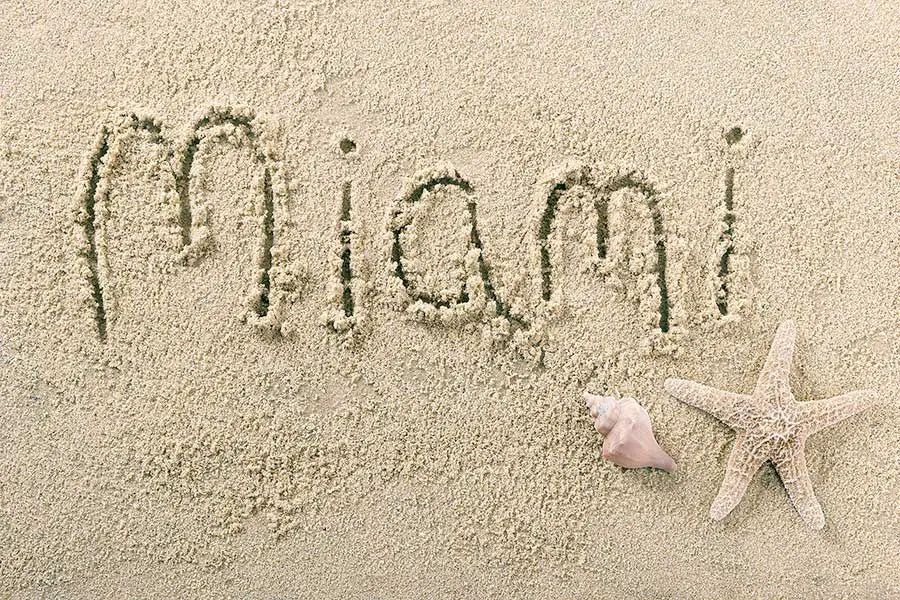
299,299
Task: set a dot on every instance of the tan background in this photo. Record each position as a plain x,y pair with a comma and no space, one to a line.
191,456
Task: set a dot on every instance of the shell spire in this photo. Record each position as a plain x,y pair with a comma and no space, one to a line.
629,440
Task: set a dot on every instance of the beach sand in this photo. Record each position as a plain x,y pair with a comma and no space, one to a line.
214,381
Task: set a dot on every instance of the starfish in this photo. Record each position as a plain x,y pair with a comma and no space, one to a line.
770,425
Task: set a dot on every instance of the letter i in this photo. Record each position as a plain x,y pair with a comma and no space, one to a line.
726,240
348,147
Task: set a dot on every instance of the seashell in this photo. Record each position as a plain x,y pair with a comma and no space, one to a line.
629,435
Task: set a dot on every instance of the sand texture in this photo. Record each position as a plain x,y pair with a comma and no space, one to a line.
299,299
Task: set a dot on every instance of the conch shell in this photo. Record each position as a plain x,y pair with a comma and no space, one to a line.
629,435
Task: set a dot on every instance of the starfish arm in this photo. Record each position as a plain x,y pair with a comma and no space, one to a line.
730,408
743,463
820,414
791,467
777,367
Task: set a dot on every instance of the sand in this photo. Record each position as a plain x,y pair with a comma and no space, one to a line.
332,359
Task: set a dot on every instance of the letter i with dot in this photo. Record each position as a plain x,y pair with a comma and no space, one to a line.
347,149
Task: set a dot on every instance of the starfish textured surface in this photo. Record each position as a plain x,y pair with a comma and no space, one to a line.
770,425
